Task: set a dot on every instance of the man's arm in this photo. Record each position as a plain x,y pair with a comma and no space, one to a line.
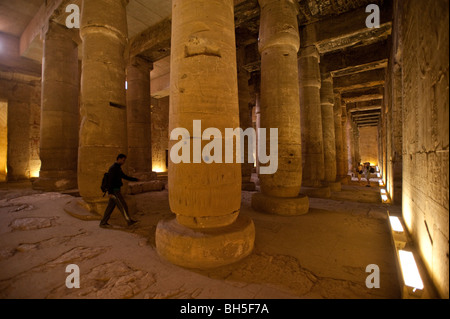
128,178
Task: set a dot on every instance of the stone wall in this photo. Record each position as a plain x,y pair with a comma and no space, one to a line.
425,77
160,133
368,144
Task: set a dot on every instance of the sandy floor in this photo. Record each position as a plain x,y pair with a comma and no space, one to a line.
322,254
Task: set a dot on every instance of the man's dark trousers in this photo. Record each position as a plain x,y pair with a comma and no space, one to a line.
116,198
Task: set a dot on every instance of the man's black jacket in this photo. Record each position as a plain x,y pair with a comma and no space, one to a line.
115,175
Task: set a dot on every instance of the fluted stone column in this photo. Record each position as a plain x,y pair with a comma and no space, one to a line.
311,123
279,45
59,111
206,198
245,116
103,131
139,118
340,153
329,133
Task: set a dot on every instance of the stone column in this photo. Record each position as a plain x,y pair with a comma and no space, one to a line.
345,143
257,87
311,123
103,131
206,198
279,45
341,172
245,116
329,133
139,118
350,144
59,111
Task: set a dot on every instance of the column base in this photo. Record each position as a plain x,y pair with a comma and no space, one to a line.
345,180
335,186
145,176
205,248
145,187
316,192
285,206
55,184
248,186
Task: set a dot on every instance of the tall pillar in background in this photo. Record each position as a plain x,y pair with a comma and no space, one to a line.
206,198
139,118
59,111
311,122
245,116
329,133
340,141
279,45
346,142
103,131
355,143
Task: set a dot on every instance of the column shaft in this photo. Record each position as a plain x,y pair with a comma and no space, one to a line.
103,131
245,116
205,197
329,135
311,119
279,45
139,118
341,172
59,111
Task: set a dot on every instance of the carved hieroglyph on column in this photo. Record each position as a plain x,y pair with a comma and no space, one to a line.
279,45
60,113
329,133
103,131
139,118
311,122
206,198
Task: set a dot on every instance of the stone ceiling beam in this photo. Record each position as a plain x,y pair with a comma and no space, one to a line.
361,58
346,30
38,24
362,95
360,80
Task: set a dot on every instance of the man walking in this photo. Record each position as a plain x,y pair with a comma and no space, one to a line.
115,176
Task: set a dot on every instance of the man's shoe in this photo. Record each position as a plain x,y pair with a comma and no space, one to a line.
106,225
132,222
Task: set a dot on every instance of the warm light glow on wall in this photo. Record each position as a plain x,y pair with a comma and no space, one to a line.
410,271
159,169
34,174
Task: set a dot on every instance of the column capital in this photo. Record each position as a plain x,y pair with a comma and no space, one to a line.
279,24
310,51
53,30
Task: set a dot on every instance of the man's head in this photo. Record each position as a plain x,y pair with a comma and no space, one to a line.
121,158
